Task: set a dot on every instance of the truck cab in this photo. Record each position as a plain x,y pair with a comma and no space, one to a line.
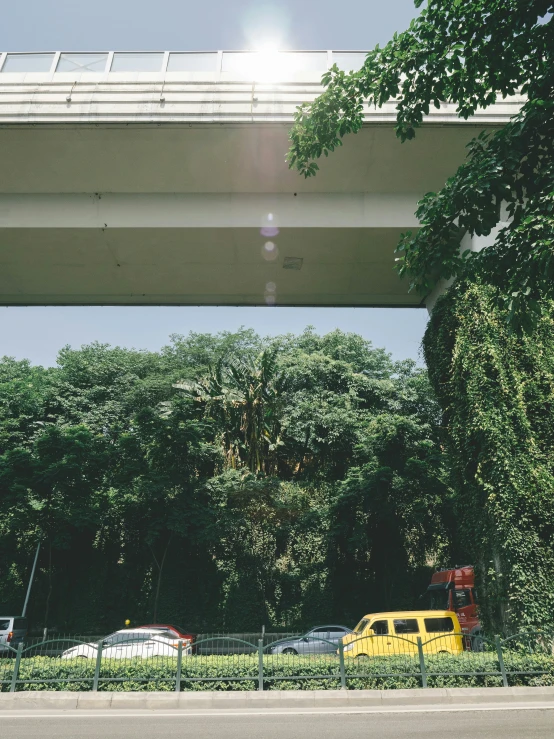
454,590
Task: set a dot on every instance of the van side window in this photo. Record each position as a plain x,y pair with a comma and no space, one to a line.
406,626
438,625
380,628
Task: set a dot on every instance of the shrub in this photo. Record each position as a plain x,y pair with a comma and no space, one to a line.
240,672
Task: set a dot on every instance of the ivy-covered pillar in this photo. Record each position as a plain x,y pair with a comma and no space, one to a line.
497,393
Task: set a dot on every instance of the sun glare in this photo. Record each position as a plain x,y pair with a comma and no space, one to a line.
265,64
268,64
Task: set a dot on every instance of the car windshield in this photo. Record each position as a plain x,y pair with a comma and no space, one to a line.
361,626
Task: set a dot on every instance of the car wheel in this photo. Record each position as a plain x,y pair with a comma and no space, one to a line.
289,650
81,656
443,651
362,657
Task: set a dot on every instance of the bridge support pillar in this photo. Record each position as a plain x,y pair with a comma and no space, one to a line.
473,243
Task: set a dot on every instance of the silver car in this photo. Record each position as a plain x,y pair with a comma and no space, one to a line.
319,640
13,630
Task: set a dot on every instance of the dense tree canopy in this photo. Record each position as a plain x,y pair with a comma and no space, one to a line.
489,344
224,482
470,53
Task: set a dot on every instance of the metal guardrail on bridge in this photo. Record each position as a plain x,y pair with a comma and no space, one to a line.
162,62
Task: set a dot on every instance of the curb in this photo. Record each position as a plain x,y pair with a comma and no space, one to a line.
68,700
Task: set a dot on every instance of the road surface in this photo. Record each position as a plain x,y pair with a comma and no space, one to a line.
500,723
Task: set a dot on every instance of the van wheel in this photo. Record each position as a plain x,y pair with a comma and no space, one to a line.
362,656
443,651
289,650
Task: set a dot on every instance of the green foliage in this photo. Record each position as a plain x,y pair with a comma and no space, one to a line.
243,397
497,391
495,387
240,672
22,402
471,54
227,482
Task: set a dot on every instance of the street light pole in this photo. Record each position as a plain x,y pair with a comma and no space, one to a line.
31,580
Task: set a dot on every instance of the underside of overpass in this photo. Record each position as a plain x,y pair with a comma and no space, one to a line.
172,189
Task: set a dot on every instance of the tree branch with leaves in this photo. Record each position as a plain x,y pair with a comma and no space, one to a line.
470,54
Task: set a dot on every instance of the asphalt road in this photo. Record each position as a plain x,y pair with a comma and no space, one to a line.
481,724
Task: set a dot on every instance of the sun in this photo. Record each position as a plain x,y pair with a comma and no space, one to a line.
267,62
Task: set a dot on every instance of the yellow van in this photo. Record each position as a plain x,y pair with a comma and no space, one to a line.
388,634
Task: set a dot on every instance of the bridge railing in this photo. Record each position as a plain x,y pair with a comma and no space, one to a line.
244,63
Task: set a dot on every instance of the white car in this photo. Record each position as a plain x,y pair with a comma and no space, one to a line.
129,643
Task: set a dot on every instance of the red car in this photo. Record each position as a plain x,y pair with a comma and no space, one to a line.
172,630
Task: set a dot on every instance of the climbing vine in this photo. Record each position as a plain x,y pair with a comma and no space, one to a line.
497,393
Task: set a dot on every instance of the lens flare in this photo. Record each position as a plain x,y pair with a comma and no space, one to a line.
270,252
269,227
270,232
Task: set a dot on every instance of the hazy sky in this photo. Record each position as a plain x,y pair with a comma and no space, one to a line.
97,25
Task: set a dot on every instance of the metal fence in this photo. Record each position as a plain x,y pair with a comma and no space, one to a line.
208,643
237,643
377,661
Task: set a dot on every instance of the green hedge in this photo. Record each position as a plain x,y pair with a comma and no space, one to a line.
382,672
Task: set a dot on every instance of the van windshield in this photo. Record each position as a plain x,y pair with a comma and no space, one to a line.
361,626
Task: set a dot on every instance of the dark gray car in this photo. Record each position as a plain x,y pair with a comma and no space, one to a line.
319,640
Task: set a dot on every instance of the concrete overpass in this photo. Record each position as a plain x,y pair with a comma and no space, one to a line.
144,178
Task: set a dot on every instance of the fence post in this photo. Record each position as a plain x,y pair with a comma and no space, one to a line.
260,664
422,667
97,667
16,667
501,661
179,666
341,666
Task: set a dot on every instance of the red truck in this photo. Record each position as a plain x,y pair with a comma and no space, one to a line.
454,590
